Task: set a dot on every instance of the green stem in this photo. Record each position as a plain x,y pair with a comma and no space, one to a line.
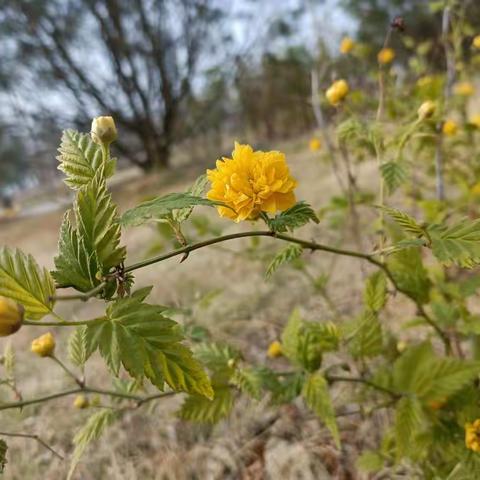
336,378
82,296
79,382
64,323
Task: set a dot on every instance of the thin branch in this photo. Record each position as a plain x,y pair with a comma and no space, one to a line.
33,437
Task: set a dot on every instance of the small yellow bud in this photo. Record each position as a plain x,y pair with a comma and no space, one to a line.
464,89
426,110
44,345
315,144
401,345
274,349
11,316
386,56
81,402
476,42
475,121
450,128
231,363
337,92
346,45
103,130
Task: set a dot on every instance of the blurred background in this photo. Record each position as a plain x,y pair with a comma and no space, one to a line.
179,75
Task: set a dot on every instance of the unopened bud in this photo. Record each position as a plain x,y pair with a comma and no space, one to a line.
11,316
337,92
104,130
274,349
81,402
44,345
426,110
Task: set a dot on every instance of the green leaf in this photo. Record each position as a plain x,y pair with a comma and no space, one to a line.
77,348
370,462
161,207
80,159
375,294
137,335
408,223
22,280
366,336
409,273
393,174
317,398
216,356
286,255
295,217
91,431
94,245
196,190
408,420
200,409
458,243
291,336
3,455
248,380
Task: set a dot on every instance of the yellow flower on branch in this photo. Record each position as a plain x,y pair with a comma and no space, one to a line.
475,121
337,92
472,435
81,402
250,183
450,127
11,316
426,110
315,144
476,42
464,89
44,345
346,45
274,349
386,56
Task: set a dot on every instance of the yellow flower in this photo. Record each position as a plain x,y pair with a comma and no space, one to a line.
44,345
11,316
250,183
337,92
81,402
472,435
103,130
274,349
475,121
426,110
450,128
476,42
464,89
346,45
386,56
315,144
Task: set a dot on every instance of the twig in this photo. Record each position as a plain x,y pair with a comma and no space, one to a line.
33,437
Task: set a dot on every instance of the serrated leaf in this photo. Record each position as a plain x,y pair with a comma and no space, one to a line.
22,280
80,159
408,223
375,294
286,255
393,175
458,243
408,420
295,217
317,398
137,335
197,408
216,356
248,381
291,335
366,336
159,208
91,431
77,349
196,190
93,246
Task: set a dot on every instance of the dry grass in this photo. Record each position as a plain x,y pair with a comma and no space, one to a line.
150,443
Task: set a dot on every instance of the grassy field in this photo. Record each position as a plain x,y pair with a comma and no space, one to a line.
229,296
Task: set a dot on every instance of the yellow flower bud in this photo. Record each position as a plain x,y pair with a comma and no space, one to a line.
450,128
426,110
274,349
315,144
231,363
11,316
476,42
81,402
337,92
44,345
475,121
103,130
472,435
346,45
464,89
401,345
386,56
